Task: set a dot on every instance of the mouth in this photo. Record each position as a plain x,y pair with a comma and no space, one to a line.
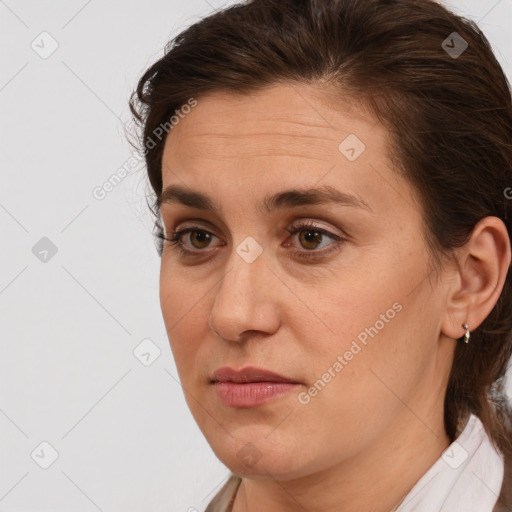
249,374
250,387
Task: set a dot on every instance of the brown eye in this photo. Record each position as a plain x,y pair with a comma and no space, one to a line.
200,239
193,241
310,239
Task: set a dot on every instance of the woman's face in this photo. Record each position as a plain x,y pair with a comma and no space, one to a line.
342,306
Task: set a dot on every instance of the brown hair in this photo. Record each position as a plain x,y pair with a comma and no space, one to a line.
449,117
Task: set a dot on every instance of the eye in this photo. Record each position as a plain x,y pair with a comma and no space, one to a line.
199,238
311,238
314,241
190,241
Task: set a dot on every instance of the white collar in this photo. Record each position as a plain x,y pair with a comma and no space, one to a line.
466,478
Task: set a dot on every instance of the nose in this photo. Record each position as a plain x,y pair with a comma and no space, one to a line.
246,300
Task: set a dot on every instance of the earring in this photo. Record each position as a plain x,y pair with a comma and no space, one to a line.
466,334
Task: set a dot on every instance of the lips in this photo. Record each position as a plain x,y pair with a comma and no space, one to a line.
250,386
247,374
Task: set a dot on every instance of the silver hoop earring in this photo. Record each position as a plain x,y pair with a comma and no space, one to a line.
466,334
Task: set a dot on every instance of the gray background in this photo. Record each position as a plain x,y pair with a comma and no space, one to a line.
69,377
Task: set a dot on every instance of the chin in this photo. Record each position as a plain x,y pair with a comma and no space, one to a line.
255,456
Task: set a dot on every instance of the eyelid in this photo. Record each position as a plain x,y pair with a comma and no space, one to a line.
182,219
308,223
301,222
195,223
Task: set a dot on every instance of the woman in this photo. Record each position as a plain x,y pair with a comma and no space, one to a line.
331,186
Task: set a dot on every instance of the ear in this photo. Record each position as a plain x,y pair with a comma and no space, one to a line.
483,264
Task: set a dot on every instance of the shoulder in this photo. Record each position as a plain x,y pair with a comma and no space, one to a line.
223,500
504,503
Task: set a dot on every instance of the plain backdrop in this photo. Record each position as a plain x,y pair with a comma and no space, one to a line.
92,416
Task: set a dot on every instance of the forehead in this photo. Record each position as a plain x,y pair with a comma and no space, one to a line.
288,108
287,119
281,136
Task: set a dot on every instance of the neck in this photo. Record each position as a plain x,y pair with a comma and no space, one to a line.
376,479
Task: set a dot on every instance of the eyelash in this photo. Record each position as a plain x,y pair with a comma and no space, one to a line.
176,236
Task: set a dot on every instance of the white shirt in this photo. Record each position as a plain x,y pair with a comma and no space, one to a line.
466,478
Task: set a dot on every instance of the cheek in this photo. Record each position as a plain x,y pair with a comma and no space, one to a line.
184,314
357,387
354,303
370,337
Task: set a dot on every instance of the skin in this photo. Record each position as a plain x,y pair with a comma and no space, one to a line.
377,426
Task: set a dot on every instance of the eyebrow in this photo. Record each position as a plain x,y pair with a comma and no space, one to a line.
286,199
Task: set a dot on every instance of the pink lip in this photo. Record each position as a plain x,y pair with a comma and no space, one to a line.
250,386
247,374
